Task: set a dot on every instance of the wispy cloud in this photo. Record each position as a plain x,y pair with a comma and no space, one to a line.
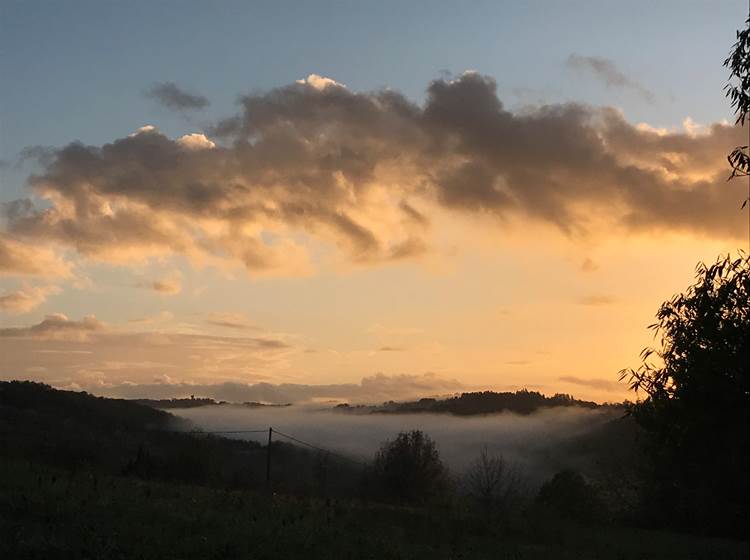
608,73
598,384
235,321
596,300
168,285
588,265
88,350
391,349
170,95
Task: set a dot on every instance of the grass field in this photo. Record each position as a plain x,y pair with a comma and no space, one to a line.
49,513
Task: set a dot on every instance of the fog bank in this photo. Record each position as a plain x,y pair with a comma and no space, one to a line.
539,444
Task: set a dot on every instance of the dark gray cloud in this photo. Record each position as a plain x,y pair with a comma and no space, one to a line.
607,71
172,96
41,154
363,171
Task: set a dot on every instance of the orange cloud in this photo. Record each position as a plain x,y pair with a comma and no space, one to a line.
22,259
89,351
26,299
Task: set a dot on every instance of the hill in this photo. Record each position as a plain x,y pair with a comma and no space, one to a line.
78,431
482,402
89,477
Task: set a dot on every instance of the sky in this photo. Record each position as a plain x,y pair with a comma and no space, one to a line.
356,201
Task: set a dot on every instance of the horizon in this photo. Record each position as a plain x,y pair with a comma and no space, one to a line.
291,394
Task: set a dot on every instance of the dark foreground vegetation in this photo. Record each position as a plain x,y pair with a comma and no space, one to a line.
88,477
49,513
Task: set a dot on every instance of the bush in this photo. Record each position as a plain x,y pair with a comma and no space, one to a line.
569,495
409,469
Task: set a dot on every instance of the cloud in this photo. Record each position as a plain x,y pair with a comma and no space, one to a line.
386,330
391,349
406,386
21,259
366,178
373,389
606,71
588,265
92,353
196,142
235,321
26,299
596,300
163,317
319,82
169,285
598,384
171,96
55,327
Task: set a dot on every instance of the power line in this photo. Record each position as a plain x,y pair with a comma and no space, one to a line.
232,431
277,432
310,445
228,432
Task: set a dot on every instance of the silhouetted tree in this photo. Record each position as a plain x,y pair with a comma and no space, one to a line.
570,496
409,468
738,63
696,409
493,483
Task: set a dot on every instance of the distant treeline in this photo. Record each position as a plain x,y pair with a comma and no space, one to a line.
480,402
195,402
192,402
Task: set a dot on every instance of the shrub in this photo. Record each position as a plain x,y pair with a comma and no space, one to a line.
409,469
570,496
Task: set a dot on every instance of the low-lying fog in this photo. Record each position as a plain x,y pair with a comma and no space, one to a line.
539,444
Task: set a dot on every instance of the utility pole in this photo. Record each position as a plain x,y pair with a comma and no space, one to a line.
268,458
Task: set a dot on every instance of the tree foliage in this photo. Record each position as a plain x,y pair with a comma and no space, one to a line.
409,469
493,483
738,92
570,496
696,409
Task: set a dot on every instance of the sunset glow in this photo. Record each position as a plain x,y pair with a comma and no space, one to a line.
515,221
